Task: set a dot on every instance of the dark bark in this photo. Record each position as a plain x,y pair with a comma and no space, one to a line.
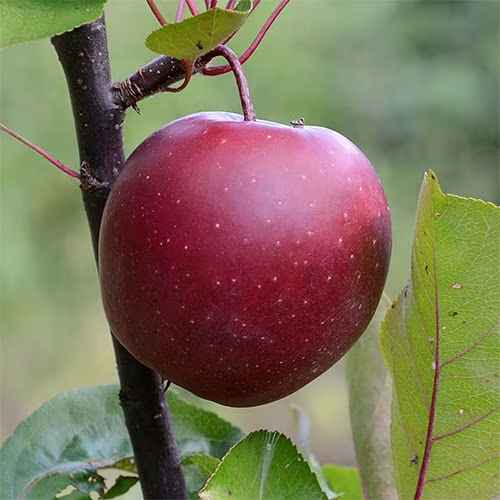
99,117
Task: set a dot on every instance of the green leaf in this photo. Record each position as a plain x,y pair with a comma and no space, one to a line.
25,20
205,463
197,35
74,433
121,486
199,431
263,465
370,399
68,439
345,481
440,341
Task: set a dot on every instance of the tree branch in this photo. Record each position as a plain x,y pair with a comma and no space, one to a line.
99,118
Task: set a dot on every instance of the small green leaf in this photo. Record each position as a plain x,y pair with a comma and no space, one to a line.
370,400
205,463
263,465
121,486
25,20
441,343
196,35
345,481
243,6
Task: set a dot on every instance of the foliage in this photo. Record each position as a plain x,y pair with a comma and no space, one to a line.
440,339
25,20
370,407
197,35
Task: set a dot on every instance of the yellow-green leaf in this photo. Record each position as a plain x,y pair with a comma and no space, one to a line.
441,343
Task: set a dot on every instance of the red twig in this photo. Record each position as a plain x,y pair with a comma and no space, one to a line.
192,7
41,152
219,70
156,12
187,79
180,11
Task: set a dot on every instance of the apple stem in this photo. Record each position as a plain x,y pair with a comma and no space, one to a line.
156,11
41,152
241,81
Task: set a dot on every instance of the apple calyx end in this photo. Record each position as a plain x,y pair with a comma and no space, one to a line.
298,123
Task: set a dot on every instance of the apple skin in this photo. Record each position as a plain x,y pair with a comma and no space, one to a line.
240,260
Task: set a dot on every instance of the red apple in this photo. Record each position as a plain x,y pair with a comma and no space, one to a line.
242,259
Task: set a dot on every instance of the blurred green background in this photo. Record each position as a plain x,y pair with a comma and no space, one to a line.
414,83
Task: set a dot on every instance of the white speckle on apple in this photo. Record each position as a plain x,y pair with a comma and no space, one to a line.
269,136
348,179
185,247
280,203
303,177
278,243
306,302
341,239
226,188
254,180
374,241
310,233
217,225
361,188
351,256
461,411
223,141
433,365
275,279
311,205
217,283
268,221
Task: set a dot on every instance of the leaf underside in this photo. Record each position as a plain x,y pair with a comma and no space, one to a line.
26,20
441,343
370,399
197,35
